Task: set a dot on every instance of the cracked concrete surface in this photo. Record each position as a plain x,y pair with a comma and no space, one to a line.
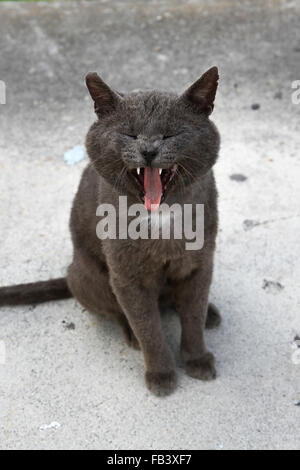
79,386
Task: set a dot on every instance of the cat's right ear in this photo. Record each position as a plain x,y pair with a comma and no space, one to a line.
201,95
105,99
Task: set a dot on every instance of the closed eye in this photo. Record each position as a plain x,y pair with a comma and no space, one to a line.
165,137
131,136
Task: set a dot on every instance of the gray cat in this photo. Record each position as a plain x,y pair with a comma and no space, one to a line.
151,147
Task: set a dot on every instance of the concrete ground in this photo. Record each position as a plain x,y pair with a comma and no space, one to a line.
68,380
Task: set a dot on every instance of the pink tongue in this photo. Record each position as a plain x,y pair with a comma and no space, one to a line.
153,188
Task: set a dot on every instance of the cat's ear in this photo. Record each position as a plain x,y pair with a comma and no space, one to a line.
202,93
105,99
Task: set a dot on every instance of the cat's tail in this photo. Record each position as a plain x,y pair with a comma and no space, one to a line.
35,292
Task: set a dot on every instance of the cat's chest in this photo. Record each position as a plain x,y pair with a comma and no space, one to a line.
169,256
171,235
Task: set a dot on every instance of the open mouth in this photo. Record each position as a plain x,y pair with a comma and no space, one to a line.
153,183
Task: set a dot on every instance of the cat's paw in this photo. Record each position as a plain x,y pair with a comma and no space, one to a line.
161,383
202,368
213,318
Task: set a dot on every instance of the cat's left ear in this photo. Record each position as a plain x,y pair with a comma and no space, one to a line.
202,93
104,97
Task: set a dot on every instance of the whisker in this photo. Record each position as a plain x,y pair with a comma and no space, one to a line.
194,159
187,172
111,165
117,184
181,181
197,160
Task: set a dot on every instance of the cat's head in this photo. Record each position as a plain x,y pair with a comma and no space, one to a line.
148,144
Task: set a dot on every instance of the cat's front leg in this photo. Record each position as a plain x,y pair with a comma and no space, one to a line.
140,306
192,302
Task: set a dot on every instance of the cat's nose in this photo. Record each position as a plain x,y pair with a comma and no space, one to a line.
149,154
